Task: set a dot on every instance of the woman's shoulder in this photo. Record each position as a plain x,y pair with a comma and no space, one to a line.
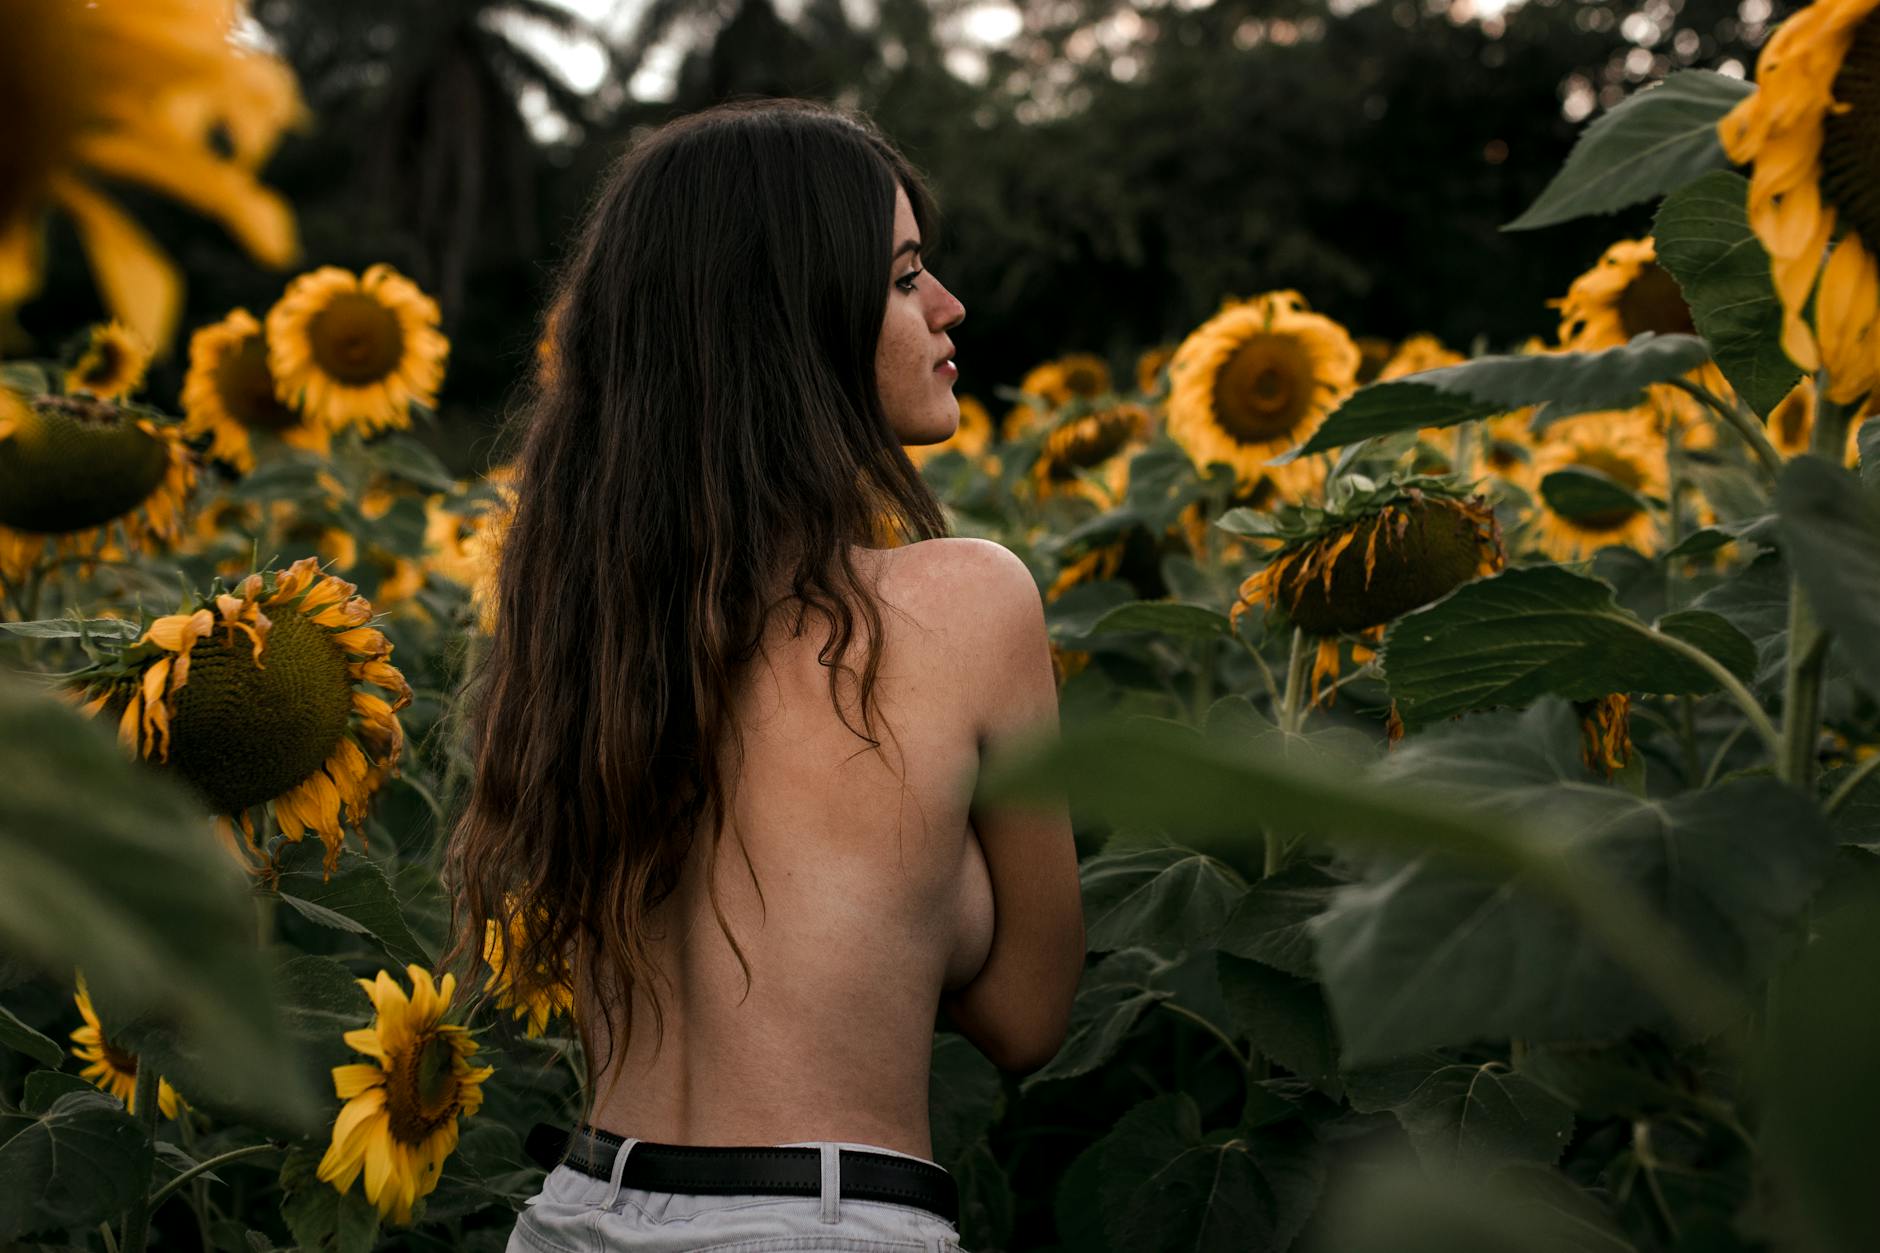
974,596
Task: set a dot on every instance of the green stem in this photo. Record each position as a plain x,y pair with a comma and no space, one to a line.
1465,449
1808,638
1745,700
1210,1028
110,1241
1266,671
1743,424
137,1220
1295,677
1723,749
1847,785
233,1155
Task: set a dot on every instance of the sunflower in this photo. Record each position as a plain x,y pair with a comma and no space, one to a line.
1195,525
356,350
399,1121
250,698
1374,352
75,469
1100,440
229,394
969,438
1256,379
1152,369
1098,563
536,997
1066,663
1605,744
1505,449
1623,446
113,1068
1417,354
1809,129
88,88
1357,568
1792,423
112,365
1077,376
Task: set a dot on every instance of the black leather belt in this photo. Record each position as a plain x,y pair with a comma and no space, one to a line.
758,1169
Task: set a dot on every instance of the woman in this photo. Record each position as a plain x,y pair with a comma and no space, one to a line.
704,633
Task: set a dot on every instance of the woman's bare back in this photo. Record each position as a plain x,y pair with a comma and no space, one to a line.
875,898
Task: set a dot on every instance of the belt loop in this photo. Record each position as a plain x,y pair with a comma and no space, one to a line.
831,1182
620,1166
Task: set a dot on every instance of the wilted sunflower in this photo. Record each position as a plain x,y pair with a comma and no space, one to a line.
1623,446
356,350
1255,380
538,996
1356,567
76,469
399,1122
1100,562
1605,744
112,365
970,437
1076,376
83,82
250,698
1809,129
112,1068
1102,439
230,394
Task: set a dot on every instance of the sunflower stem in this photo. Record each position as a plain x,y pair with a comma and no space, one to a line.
137,1219
1206,1025
1716,760
1808,638
1743,424
1295,663
1846,787
110,1241
203,1167
1733,686
1465,450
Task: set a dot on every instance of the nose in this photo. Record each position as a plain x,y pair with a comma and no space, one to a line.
948,312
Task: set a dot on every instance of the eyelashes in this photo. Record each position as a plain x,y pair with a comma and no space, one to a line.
906,281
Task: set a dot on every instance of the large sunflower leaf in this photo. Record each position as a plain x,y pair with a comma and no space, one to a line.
1704,239
358,895
1579,491
1542,630
1285,1018
1566,382
965,1096
1170,900
1167,1187
1479,1116
318,1215
1831,537
17,1035
1652,142
1423,954
1270,922
1113,995
111,868
70,1166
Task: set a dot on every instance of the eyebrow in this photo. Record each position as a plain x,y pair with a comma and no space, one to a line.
907,245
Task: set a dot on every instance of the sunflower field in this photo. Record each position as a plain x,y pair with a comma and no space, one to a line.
1469,751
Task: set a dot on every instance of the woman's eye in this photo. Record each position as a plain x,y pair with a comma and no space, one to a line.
906,281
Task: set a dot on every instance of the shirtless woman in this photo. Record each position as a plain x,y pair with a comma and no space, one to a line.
727,737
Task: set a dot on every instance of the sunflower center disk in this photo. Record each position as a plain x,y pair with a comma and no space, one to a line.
1264,389
243,735
247,389
105,364
1619,469
422,1091
1437,551
62,472
1653,302
120,1061
1850,141
356,339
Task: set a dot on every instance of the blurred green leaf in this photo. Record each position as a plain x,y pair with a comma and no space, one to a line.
1579,492
1704,239
1831,537
1542,630
1398,1207
1166,617
73,1165
15,1034
68,629
321,1217
1652,142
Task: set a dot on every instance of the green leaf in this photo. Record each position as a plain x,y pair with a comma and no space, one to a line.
1578,492
965,1096
988,1206
1831,537
135,892
70,629
71,1166
25,377
1166,1187
1425,955
1270,924
1167,899
17,1035
1542,630
1401,1207
358,897
1480,1116
321,1218
1867,439
1284,1017
1113,995
1567,382
408,459
1704,239
1652,142
1167,617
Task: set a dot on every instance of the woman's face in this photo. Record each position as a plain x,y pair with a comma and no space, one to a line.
914,372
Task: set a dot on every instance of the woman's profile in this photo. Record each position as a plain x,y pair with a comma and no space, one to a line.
727,731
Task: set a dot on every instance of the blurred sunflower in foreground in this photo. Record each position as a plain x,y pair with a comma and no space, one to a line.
1372,555
230,394
536,996
1811,130
113,1068
1255,380
399,1120
356,350
251,699
77,471
1621,446
1792,423
107,90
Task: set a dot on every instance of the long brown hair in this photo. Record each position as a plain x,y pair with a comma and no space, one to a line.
711,424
